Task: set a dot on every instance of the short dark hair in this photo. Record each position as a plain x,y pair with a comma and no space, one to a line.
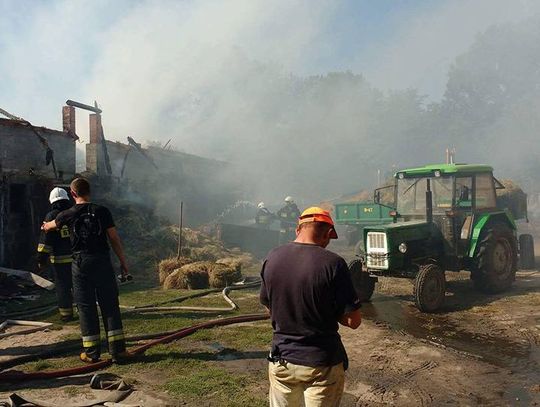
319,228
80,186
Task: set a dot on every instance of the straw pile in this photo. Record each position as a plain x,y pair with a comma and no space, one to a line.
167,266
202,274
192,276
220,276
151,245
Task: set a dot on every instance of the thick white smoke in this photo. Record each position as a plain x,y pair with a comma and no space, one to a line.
228,80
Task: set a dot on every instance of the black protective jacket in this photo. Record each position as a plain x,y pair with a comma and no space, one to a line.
55,244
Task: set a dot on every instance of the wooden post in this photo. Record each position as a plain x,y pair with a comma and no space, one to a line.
179,254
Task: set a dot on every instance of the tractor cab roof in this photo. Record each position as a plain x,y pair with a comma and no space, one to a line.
444,169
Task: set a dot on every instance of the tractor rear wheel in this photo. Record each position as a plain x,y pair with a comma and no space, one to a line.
526,251
496,260
429,288
363,283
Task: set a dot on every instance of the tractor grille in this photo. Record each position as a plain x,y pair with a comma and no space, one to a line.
377,250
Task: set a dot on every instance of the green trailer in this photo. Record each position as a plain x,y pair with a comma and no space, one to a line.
357,215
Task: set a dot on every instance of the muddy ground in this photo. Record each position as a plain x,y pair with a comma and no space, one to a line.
479,350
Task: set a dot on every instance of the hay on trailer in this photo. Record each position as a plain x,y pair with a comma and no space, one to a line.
167,266
512,198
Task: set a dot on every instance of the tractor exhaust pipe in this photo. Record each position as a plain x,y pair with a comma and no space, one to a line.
429,202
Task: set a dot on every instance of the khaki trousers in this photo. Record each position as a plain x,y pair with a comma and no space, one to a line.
295,385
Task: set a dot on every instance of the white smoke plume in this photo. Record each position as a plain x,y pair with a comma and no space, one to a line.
229,80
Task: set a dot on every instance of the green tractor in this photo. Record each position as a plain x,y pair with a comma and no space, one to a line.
446,219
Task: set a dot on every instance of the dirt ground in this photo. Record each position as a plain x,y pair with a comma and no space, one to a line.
478,350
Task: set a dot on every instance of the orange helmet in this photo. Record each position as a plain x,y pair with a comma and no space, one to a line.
316,214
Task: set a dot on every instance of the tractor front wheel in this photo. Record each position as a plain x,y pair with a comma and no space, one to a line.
363,283
429,288
496,260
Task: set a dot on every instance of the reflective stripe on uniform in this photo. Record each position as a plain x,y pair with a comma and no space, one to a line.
91,340
44,248
115,335
67,258
65,311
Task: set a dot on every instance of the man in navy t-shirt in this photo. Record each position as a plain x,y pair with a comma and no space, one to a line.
308,291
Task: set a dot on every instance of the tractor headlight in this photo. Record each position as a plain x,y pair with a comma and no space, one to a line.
402,247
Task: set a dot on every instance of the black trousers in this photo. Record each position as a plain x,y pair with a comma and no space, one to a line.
64,286
94,280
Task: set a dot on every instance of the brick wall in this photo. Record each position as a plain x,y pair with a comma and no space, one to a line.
20,150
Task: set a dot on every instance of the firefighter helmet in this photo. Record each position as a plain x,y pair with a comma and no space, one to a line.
58,194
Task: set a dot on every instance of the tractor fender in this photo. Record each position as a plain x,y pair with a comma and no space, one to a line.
483,221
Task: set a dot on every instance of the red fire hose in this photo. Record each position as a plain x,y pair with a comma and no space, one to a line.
15,375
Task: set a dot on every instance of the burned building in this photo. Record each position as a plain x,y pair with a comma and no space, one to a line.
163,177
35,159
32,160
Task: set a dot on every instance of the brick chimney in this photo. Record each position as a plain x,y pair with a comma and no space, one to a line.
94,150
68,121
95,128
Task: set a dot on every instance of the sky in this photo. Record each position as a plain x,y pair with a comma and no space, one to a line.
130,55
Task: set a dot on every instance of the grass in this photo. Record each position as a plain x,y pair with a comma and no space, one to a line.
191,369
218,385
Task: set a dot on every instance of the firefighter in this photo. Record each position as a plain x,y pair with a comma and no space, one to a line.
264,217
92,229
56,247
288,217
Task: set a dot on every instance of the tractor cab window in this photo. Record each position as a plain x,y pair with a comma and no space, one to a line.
485,191
412,195
464,192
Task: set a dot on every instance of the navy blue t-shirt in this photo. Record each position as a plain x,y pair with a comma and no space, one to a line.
307,289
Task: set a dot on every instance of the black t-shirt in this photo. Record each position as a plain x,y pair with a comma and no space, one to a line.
101,220
307,289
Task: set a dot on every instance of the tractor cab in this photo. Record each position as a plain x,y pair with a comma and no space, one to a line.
448,196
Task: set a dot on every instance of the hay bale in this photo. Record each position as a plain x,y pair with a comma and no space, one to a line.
221,276
167,266
233,262
191,276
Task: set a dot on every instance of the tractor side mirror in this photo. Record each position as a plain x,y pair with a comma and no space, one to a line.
377,197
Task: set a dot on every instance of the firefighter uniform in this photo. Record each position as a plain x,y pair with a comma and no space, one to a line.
57,248
288,217
94,278
263,218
